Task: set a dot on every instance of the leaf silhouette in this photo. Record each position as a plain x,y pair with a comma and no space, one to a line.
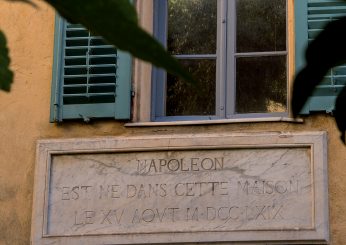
116,21
6,75
24,1
340,115
325,52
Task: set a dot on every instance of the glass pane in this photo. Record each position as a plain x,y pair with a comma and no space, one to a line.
261,85
188,99
261,25
192,26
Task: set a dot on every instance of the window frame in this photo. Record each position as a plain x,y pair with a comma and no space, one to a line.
225,68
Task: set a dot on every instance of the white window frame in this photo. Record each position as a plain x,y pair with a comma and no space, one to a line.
225,71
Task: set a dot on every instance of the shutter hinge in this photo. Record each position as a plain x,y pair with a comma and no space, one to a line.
330,111
85,118
56,113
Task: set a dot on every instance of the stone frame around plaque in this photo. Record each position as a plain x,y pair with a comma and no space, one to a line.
315,142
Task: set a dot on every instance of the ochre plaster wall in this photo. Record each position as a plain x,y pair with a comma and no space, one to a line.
24,118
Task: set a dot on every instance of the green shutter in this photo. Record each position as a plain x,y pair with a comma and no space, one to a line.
91,79
311,16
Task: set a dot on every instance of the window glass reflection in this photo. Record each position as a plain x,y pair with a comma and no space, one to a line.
261,85
192,99
261,25
192,26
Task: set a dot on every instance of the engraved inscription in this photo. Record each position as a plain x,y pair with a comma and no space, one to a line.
181,191
147,166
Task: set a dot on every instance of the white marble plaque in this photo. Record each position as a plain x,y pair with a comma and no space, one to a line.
182,188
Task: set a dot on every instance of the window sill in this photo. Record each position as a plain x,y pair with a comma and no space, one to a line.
218,121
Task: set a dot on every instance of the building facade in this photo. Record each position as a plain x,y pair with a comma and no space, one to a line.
220,49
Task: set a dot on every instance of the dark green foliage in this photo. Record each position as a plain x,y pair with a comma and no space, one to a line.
192,26
259,80
261,25
6,75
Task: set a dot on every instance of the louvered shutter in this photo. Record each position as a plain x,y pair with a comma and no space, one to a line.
311,16
91,79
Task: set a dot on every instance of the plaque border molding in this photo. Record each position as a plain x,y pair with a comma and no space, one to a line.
316,141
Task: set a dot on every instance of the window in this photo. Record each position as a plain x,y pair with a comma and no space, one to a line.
237,51
91,79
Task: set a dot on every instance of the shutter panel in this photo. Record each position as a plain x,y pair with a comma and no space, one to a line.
311,17
92,78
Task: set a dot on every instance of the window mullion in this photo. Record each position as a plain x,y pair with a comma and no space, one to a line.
159,75
221,54
231,62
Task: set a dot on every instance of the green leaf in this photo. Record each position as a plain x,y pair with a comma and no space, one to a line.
6,75
116,21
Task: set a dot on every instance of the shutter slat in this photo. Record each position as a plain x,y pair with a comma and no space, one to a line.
90,71
91,66
85,38
91,75
88,94
92,47
89,85
92,56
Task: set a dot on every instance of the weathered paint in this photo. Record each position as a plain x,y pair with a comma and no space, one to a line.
24,118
